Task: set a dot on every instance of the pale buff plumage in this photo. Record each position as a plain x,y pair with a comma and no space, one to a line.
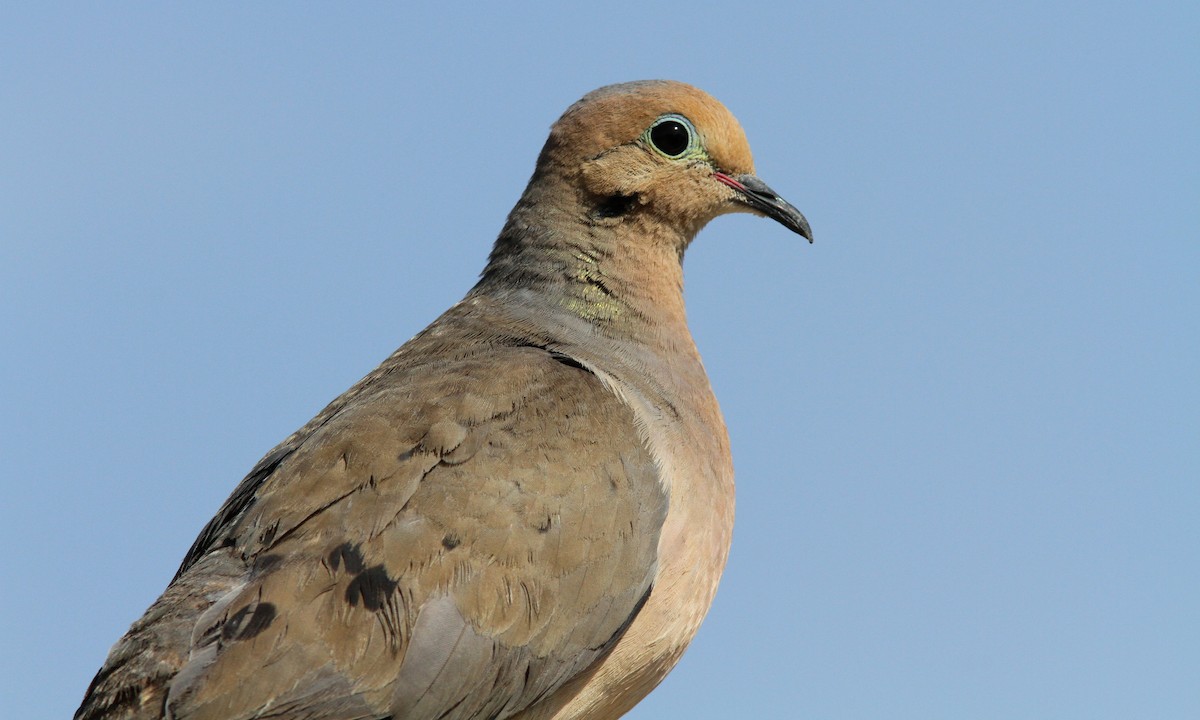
523,512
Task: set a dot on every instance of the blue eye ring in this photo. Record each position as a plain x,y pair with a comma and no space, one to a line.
672,135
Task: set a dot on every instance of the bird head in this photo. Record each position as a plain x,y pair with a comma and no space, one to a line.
661,148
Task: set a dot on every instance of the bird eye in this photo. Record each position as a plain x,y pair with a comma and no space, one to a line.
671,135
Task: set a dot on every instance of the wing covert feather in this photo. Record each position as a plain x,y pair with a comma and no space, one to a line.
496,515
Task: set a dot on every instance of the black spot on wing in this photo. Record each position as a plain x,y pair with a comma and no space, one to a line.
249,621
264,564
346,555
267,536
371,587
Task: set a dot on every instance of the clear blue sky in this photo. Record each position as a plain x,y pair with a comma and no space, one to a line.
966,422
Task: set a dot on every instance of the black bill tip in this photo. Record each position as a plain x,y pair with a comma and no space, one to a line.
759,196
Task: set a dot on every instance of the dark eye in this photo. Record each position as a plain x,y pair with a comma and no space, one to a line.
671,137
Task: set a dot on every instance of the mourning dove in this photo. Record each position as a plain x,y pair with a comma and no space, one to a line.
525,510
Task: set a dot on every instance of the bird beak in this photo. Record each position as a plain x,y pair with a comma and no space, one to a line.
757,195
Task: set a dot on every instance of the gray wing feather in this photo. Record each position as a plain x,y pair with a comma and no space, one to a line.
444,541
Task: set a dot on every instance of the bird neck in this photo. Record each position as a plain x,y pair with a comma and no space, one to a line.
606,262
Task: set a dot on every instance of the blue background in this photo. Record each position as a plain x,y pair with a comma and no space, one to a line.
966,421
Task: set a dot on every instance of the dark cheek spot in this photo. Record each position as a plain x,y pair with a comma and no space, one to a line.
248,622
545,525
371,587
614,206
451,541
